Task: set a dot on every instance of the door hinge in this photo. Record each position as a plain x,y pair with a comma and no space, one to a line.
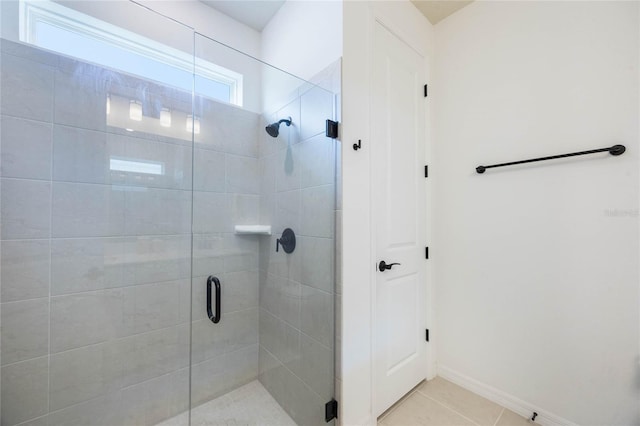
426,334
332,129
331,410
426,171
425,90
426,252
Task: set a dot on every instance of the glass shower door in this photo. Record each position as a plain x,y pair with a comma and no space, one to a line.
270,357
127,191
96,194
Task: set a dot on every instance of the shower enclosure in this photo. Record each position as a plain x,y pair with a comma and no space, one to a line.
133,181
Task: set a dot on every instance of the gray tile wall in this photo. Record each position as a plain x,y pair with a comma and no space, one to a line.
96,263
297,290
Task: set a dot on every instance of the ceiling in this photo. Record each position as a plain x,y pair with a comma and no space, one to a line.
254,13
257,13
436,11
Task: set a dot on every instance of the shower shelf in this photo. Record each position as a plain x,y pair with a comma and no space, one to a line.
253,229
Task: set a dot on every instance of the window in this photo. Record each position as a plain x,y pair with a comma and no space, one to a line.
54,27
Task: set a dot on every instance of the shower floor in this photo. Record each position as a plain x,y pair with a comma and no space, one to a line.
250,405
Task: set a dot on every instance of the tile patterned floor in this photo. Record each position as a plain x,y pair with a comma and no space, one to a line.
439,402
249,405
434,403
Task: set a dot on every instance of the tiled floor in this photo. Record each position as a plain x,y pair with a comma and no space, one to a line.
249,405
442,403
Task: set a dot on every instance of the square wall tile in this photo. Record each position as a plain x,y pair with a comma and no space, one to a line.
243,209
27,88
317,318
153,354
211,213
157,211
318,160
317,263
24,270
235,331
299,401
26,51
279,338
150,307
242,174
316,106
24,390
25,330
208,255
209,171
85,264
318,205
171,162
315,367
26,148
227,127
240,290
83,156
288,168
86,318
87,210
268,174
157,399
240,253
81,98
153,258
282,298
281,264
26,209
82,374
101,411
288,211
222,374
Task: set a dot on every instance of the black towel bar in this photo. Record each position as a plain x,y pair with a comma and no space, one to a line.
613,150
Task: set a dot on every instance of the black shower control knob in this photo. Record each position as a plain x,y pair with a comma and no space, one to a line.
287,241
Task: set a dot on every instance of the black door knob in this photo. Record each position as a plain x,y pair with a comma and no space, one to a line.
383,266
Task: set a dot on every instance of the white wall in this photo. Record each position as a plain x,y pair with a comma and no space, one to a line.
304,37
537,266
357,261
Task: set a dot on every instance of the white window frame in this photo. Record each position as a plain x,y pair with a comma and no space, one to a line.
33,12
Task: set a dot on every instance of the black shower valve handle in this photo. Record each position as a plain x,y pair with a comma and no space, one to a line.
287,241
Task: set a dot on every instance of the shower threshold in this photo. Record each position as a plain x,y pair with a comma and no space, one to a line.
250,405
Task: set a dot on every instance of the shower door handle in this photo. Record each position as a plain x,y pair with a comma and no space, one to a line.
214,318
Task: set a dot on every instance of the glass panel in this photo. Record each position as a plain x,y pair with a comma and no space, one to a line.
120,196
270,358
96,202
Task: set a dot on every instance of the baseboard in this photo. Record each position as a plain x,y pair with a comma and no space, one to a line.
514,404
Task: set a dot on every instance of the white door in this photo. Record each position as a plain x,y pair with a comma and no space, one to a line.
398,196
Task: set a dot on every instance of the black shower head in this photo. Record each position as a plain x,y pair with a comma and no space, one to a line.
274,128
